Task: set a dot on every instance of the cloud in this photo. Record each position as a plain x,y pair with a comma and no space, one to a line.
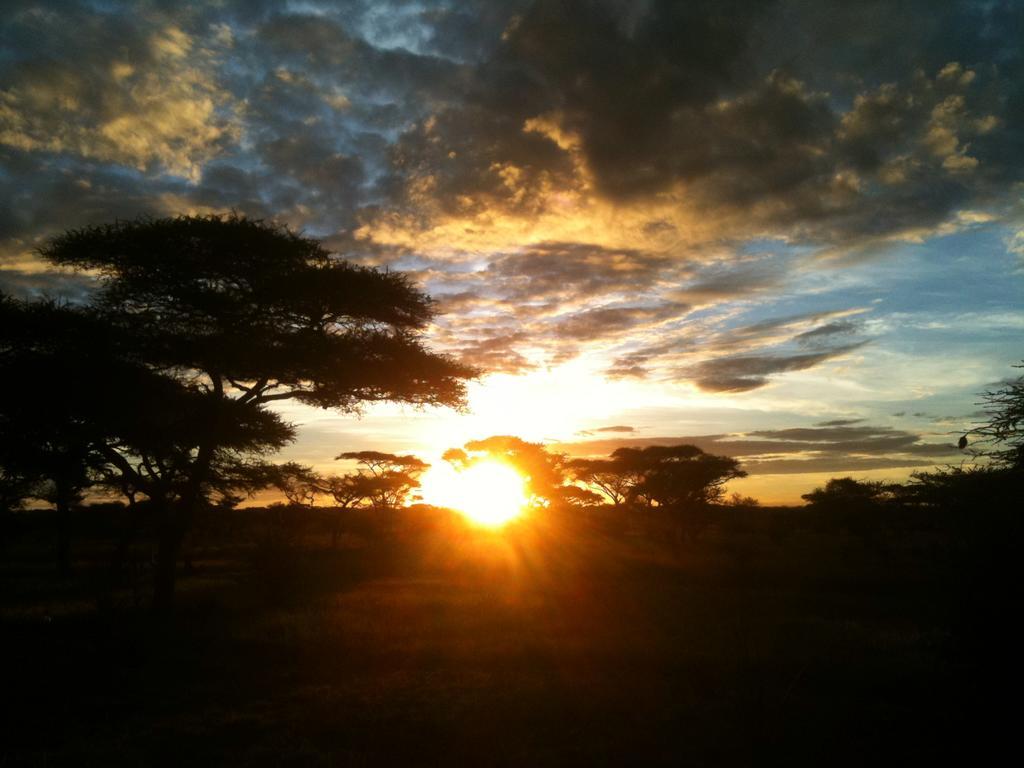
740,374
144,95
34,285
496,354
638,181
605,322
826,334
841,448
553,270
631,115
722,357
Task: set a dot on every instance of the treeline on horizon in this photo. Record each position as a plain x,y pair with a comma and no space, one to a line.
157,389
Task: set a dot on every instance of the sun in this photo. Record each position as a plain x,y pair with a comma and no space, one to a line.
488,493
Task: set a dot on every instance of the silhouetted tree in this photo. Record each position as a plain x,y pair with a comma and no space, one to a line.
612,478
575,496
63,392
45,434
1001,436
680,481
386,480
300,485
864,508
681,477
349,491
740,501
243,313
844,494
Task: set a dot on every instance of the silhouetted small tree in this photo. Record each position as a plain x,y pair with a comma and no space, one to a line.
739,501
1001,436
613,479
387,480
300,485
574,496
677,476
680,480
864,508
349,491
844,494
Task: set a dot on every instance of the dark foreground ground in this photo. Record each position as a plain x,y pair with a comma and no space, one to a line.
557,645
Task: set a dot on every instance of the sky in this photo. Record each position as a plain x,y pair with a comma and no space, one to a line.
790,232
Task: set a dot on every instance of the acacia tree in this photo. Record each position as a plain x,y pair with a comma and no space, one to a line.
300,485
245,313
864,508
680,477
76,412
45,452
349,491
1001,436
681,480
613,478
385,479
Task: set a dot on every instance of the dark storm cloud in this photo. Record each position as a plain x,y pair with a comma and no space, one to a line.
620,75
659,93
313,164
682,130
455,150
43,195
730,97
324,46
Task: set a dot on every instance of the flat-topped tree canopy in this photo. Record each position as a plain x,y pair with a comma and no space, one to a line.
378,461
264,310
68,394
676,475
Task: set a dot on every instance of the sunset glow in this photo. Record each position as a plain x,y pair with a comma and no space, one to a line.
487,493
806,256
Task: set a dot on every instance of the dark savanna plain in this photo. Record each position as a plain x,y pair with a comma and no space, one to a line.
521,383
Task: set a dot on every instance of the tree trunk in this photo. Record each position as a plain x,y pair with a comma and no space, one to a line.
175,521
115,575
63,504
171,533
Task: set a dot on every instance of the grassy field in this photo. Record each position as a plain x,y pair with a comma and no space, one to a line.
549,644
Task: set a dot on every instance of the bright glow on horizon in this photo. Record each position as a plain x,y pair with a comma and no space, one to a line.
487,493
550,405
